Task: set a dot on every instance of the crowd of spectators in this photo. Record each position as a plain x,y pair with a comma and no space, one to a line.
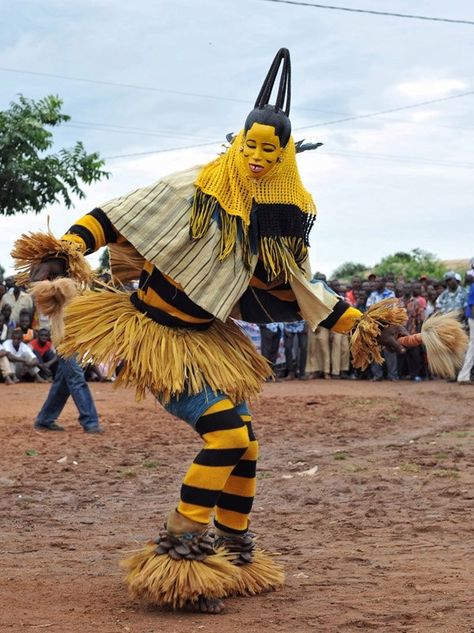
27,353
296,352
26,350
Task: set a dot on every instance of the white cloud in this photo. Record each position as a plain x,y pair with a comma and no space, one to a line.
430,88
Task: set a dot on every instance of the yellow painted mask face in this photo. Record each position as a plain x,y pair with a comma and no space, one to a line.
261,150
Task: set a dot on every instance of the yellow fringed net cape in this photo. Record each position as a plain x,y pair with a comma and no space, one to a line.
224,185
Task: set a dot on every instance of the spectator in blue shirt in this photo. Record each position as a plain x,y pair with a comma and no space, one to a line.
380,293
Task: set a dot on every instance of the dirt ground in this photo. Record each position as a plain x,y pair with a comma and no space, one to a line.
378,537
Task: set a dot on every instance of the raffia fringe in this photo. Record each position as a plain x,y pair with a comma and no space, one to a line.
280,254
446,342
365,346
34,248
157,579
204,207
260,575
51,297
104,327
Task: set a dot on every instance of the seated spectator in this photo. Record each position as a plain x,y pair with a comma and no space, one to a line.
6,368
4,331
93,373
24,324
22,357
45,353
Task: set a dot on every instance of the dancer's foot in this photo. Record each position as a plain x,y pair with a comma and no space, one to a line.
205,605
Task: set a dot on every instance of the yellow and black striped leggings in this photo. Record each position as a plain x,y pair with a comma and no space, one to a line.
223,474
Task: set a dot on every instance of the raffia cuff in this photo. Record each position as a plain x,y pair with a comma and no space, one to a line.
32,249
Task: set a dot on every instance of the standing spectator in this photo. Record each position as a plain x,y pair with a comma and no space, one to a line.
44,352
270,335
318,363
68,381
379,294
360,300
454,297
415,305
6,310
22,356
464,376
19,300
296,332
356,285
4,331
340,357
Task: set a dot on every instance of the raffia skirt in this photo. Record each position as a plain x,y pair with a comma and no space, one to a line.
103,327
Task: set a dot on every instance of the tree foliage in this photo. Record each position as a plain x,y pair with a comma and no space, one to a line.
104,260
348,270
411,265
31,177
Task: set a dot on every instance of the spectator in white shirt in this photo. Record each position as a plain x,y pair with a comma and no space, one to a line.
22,357
19,300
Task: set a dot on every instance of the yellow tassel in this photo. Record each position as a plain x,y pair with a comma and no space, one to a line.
365,346
104,327
262,574
34,248
445,342
159,580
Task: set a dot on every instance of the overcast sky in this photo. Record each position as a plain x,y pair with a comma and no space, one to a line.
164,74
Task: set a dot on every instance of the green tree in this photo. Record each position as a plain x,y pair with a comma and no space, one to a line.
31,177
411,265
2,274
348,270
104,260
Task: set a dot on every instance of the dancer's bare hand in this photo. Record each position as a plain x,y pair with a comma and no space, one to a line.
389,336
50,269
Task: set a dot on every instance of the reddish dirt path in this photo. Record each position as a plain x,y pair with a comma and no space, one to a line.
379,539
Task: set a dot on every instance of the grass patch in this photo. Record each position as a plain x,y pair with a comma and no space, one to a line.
150,463
340,455
355,468
441,455
30,452
362,401
445,472
410,467
129,472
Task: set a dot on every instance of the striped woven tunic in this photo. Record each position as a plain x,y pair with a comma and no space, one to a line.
165,301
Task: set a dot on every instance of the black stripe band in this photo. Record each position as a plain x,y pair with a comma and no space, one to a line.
219,421
219,457
199,496
85,235
337,312
106,224
174,296
163,318
229,530
245,468
252,437
235,503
